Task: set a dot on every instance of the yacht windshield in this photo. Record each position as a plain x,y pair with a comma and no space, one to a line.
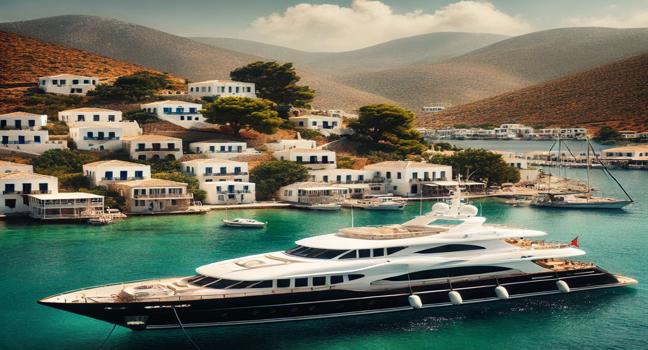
446,222
315,253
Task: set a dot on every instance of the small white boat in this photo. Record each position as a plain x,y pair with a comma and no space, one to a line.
324,207
381,203
242,222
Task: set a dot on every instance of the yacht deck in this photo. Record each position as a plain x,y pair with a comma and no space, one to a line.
389,232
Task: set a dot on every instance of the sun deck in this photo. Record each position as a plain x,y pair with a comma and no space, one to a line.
389,232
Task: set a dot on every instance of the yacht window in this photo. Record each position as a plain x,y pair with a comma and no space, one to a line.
450,248
283,283
301,282
349,255
204,281
263,284
319,281
293,251
243,284
354,276
449,272
222,284
337,279
330,254
392,250
195,278
446,222
378,252
364,253
315,253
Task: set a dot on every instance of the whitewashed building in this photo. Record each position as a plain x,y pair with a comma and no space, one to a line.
229,192
89,115
105,172
181,113
65,206
28,141
408,178
324,124
67,84
22,121
154,196
210,170
147,147
221,149
100,136
16,186
222,88
11,167
344,176
311,158
313,193
280,145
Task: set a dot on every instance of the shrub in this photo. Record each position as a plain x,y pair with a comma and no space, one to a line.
310,134
344,162
141,116
137,87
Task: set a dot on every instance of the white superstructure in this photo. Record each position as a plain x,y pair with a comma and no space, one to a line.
181,113
89,115
67,84
222,88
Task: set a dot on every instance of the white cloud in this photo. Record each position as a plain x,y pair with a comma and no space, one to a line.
327,27
634,20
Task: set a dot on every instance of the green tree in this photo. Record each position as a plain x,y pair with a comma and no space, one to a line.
112,198
141,116
272,175
607,135
387,128
243,112
479,164
137,87
61,161
276,82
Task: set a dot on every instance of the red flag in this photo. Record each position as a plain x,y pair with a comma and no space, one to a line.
574,242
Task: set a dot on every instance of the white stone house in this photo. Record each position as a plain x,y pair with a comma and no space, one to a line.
181,113
99,136
210,170
229,192
154,196
408,178
147,147
359,182
105,172
311,158
280,145
11,167
28,141
322,123
222,88
67,84
221,149
313,193
16,186
88,115
22,121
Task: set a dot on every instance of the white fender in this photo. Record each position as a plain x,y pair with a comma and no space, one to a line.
415,301
501,293
563,286
455,297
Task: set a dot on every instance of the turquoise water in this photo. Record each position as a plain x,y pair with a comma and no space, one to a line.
39,260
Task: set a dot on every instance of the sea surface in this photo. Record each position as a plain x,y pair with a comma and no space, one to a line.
39,260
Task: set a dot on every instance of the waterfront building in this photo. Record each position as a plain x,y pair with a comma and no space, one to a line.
90,115
210,170
67,84
229,192
154,196
359,182
106,172
628,156
309,193
147,147
65,206
16,186
311,158
222,88
99,136
514,160
629,135
408,178
22,121
222,149
281,145
322,123
11,167
181,113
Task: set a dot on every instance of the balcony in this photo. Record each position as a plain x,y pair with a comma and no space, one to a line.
225,174
364,181
22,143
164,196
29,192
234,192
316,162
88,138
122,178
157,149
181,113
429,179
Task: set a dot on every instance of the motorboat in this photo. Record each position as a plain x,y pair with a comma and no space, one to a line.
445,258
381,203
324,206
243,222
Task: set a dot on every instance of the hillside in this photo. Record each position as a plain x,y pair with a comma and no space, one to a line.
24,59
426,48
170,53
614,94
508,65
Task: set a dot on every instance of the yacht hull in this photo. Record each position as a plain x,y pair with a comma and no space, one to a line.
295,306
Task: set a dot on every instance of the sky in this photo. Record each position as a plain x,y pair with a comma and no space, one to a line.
339,25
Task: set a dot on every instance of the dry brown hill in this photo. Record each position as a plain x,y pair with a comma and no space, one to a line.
170,53
614,94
